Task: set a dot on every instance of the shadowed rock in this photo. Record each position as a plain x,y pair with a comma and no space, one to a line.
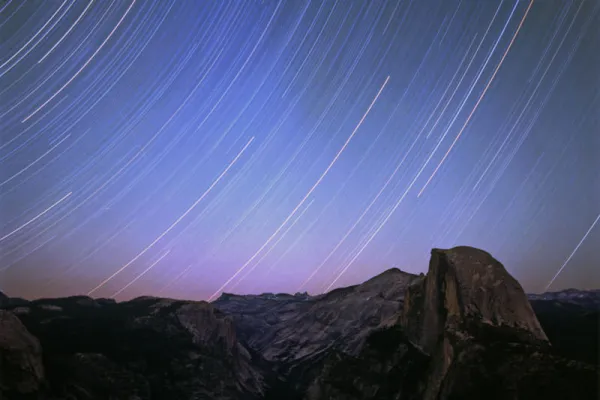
6,301
141,349
21,367
466,330
296,333
571,319
3,299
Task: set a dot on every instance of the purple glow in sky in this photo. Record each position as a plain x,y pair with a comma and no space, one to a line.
185,148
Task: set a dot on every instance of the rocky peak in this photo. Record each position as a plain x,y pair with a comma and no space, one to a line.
102,349
465,285
465,330
22,370
390,284
207,325
286,328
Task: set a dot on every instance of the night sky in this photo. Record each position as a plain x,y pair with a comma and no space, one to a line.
185,148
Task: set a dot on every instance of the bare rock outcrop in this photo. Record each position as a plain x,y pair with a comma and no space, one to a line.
146,348
466,330
296,333
287,328
466,287
21,366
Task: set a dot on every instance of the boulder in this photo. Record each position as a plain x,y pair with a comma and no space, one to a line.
21,366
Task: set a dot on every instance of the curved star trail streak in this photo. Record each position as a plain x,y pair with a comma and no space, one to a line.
307,195
481,96
184,148
174,224
573,253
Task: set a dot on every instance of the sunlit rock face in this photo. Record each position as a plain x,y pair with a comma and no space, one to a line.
296,333
287,328
466,287
465,330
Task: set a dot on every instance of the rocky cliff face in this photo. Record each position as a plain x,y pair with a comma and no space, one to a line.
466,287
141,349
288,328
465,330
21,366
296,333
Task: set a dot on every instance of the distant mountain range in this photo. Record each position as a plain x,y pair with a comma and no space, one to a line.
576,296
465,330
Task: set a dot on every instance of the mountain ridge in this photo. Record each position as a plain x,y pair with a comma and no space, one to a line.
547,295
450,333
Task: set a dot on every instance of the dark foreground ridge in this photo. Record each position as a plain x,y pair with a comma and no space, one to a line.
466,330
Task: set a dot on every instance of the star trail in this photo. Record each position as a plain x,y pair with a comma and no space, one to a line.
189,148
